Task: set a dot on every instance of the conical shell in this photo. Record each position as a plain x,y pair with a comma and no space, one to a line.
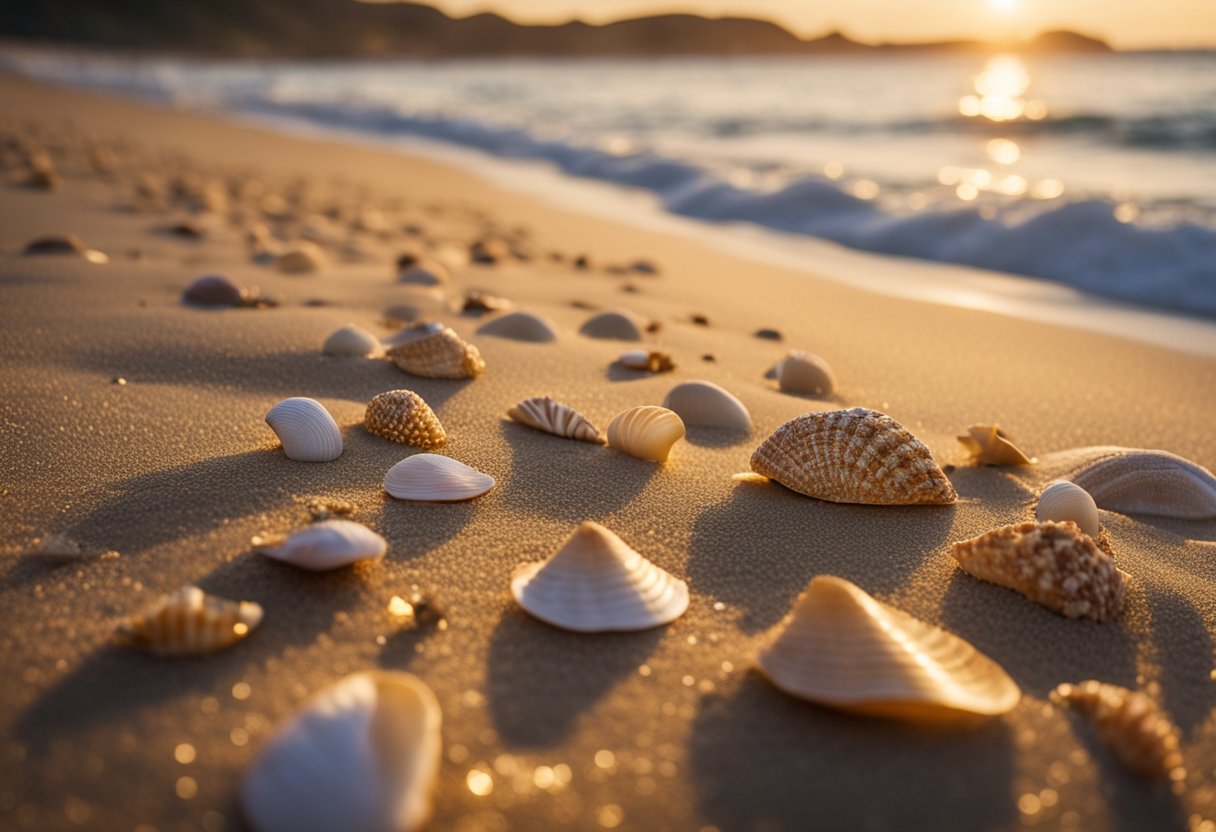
439,355
805,374
616,325
1149,482
307,431
596,583
330,544
853,456
352,342
988,445
840,647
363,755
646,432
521,326
425,273
1053,564
1131,725
302,258
1062,500
650,361
705,403
216,290
435,479
544,414
189,622
402,416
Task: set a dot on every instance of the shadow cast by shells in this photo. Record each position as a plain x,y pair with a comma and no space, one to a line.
997,487
711,437
619,372
413,529
1181,640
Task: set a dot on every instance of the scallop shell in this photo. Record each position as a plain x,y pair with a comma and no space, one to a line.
425,273
216,290
402,416
330,544
302,258
307,431
646,432
353,342
853,456
843,648
805,374
648,360
439,355
1131,725
1053,564
362,755
544,414
595,583
1063,500
705,403
435,479
521,326
1149,482
988,445
616,325
189,622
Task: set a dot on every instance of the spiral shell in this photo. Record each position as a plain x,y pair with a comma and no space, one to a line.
615,325
302,258
330,544
988,445
805,374
435,479
439,355
646,432
705,403
1131,725
521,326
189,622
352,342
403,417
307,431
425,273
1063,500
544,414
1149,482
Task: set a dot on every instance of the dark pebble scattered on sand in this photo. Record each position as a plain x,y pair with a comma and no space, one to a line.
653,327
769,334
708,357
582,262
700,320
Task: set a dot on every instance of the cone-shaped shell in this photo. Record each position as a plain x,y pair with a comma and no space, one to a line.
402,416
840,647
1062,500
805,374
1149,482
988,445
189,623
425,273
705,403
435,479
544,414
521,326
616,325
216,290
441,354
596,583
646,432
307,431
853,456
330,544
353,342
1130,724
302,258
362,755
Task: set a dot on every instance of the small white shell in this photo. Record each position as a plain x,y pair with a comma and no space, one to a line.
353,342
307,431
805,373
521,326
425,273
617,325
705,403
1063,500
329,544
646,432
436,479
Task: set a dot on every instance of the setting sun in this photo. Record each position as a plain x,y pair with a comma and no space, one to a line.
1003,5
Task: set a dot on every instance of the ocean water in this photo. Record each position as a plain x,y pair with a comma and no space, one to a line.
1095,171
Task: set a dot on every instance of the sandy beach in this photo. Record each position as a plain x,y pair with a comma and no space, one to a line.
133,423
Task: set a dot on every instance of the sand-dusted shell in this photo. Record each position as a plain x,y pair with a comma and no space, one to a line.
805,374
521,326
853,456
595,583
425,273
839,646
1149,482
544,414
64,244
646,431
353,342
1053,564
307,431
441,354
190,622
330,544
1131,725
216,290
705,403
650,361
435,479
618,325
1063,500
302,258
988,445
362,755
402,416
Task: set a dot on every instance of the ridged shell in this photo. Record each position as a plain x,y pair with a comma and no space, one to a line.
425,273
646,432
544,414
363,755
988,445
1062,500
330,544
189,623
439,355
650,361
1053,564
402,416
617,325
307,431
521,326
853,456
1149,482
805,374
842,648
705,403
352,342
1131,725
216,290
435,479
595,583
302,258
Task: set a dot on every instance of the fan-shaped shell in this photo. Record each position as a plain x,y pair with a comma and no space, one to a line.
521,326
988,445
435,479
805,374
853,456
646,432
705,403
840,647
1149,482
596,583
439,355
189,622
617,325
402,416
302,258
216,290
363,755
307,431
330,544
1063,500
651,361
544,414
1130,724
425,273
353,342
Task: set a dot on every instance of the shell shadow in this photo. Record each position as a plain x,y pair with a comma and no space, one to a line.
1181,638
997,487
618,372
413,529
713,437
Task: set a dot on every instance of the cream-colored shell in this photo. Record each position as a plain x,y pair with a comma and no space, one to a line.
617,325
544,414
646,432
705,403
988,445
425,273
330,544
353,342
521,326
303,258
1149,482
189,623
805,374
306,430
1063,500
442,354
435,479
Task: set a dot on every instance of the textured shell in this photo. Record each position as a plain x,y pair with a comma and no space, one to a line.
353,342
853,456
649,360
805,374
1053,564
441,354
435,479
595,583
646,431
521,326
402,416
189,623
1149,482
425,273
307,431
1062,500
544,414
362,755
988,445
216,290
705,403
330,544
617,325
840,647
302,258
1131,725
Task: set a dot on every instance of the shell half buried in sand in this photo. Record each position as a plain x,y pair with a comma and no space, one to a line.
432,478
616,325
402,416
1136,481
988,445
1062,500
302,258
521,326
595,583
190,622
805,374
425,273
306,430
330,544
1131,725
544,414
853,456
351,342
440,354
646,432
362,754
649,361
706,404
842,648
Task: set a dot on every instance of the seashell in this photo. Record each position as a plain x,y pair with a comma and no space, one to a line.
352,341
400,314
1063,500
595,583
435,479
651,362
439,355
402,416
479,303
988,445
705,403
1131,725
617,325
362,755
302,258
646,432
544,414
521,326
64,244
1137,481
307,431
805,374
56,549
843,648
853,456
425,273
1053,564
216,290
189,622
329,544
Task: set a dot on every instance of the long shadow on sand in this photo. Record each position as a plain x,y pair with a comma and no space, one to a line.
1182,641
